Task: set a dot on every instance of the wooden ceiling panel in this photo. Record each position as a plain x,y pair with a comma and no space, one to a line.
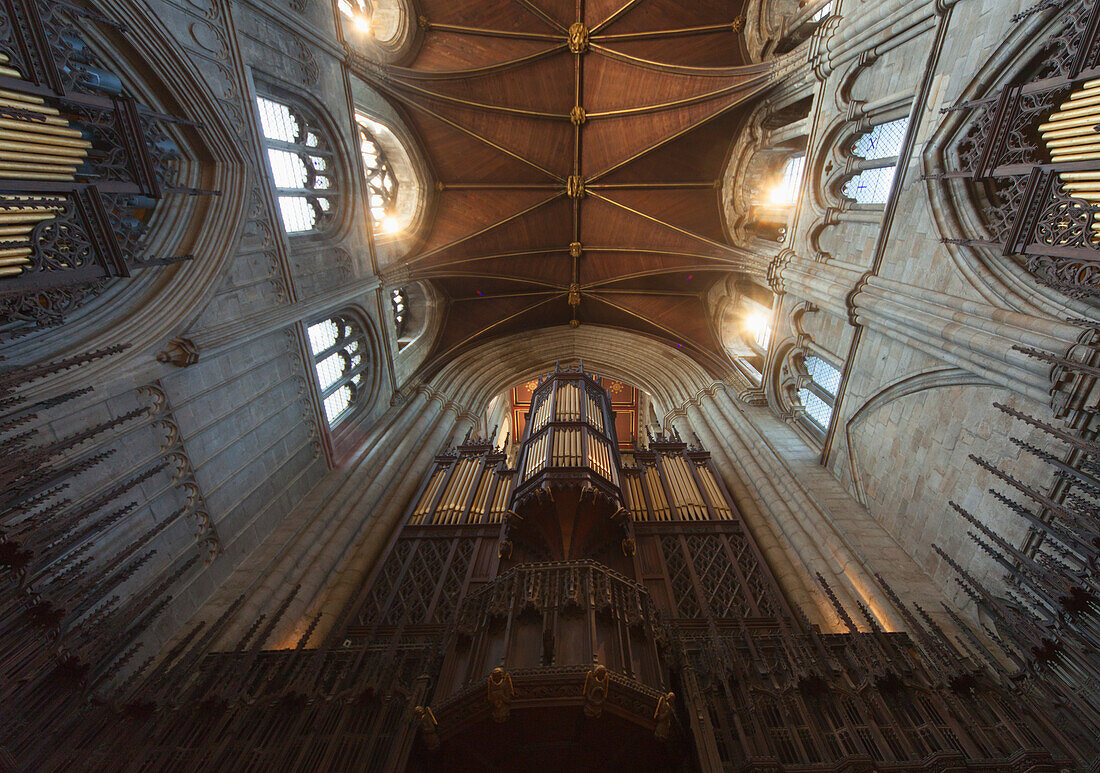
613,83
697,156
532,223
631,178
459,155
505,15
544,85
450,52
695,210
545,147
611,225
611,142
469,322
608,267
683,320
551,268
462,216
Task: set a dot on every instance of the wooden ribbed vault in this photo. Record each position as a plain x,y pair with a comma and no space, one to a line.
578,146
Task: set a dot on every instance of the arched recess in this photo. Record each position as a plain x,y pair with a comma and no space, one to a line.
381,30
742,315
945,377
150,307
776,26
415,181
425,311
957,205
763,177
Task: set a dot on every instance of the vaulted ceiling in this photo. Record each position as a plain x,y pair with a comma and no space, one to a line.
578,146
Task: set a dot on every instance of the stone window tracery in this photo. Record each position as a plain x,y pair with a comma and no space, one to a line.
381,182
876,156
341,358
301,164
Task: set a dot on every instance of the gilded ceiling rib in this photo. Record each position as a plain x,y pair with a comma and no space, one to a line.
763,70
425,255
611,19
406,73
733,26
527,4
423,273
403,85
458,29
676,228
475,135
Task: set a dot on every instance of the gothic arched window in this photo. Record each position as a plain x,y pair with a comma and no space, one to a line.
400,302
876,152
342,360
301,166
817,390
381,182
786,190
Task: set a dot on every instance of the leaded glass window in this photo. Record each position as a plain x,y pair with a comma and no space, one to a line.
878,149
818,397
882,141
301,166
342,362
381,182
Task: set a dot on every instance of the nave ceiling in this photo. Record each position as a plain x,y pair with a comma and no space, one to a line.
576,148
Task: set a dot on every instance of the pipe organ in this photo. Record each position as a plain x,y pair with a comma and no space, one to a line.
82,164
1033,152
544,619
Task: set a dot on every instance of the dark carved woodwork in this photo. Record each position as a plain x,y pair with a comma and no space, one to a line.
126,165
1007,163
678,654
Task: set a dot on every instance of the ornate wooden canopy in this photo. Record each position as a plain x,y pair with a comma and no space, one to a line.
578,146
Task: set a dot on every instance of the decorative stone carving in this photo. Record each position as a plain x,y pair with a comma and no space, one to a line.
180,352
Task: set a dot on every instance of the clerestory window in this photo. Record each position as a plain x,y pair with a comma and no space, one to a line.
341,359
400,301
301,164
876,151
381,181
818,393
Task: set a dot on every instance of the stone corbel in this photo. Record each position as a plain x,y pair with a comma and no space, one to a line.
180,352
